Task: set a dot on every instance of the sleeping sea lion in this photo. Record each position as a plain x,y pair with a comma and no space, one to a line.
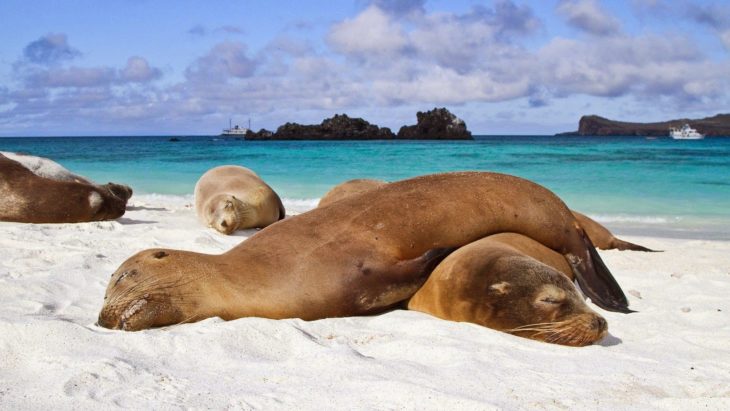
28,198
599,235
493,282
351,257
47,168
230,198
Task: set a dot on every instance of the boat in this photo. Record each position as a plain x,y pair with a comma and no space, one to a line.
685,133
236,131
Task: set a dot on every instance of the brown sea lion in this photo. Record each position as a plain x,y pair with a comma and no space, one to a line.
28,198
230,198
350,188
45,167
602,238
599,235
351,257
493,282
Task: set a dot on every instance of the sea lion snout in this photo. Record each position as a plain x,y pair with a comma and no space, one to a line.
107,206
600,324
149,290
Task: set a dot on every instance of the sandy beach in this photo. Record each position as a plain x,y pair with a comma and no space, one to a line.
674,353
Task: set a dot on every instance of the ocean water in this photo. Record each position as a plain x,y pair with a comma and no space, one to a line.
633,185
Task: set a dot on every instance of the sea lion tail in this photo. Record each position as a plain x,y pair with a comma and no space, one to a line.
625,245
597,282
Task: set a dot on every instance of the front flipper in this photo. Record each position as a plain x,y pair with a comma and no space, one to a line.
597,282
390,284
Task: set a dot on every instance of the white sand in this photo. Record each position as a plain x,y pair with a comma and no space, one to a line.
673,354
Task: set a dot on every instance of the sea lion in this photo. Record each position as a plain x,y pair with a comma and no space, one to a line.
47,168
599,235
494,283
602,238
351,257
28,198
350,188
230,198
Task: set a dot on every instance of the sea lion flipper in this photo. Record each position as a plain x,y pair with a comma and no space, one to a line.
597,282
625,245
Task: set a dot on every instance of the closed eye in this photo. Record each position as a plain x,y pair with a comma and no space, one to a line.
550,300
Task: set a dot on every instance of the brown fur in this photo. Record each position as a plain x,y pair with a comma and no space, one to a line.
506,282
349,258
599,235
350,188
28,198
230,198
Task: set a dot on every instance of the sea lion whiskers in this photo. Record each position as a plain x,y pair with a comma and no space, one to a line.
575,331
536,326
156,283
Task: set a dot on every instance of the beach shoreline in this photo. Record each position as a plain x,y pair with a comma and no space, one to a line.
671,354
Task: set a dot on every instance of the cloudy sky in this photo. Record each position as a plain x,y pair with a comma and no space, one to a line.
506,67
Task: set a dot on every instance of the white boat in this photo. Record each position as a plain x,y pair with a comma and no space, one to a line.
235,130
685,133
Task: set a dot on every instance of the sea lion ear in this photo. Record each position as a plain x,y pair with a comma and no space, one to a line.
229,205
500,288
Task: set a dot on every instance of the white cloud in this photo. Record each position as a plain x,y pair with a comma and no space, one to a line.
372,32
139,70
227,59
588,15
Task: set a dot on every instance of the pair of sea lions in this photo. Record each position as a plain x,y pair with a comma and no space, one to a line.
355,257
507,282
38,190
230,198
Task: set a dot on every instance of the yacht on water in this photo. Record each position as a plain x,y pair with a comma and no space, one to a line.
685,133
235,130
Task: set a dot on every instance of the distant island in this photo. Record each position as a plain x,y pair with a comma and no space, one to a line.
437,124
593,125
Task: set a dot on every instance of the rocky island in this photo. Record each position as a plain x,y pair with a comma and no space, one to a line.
593,125
437,124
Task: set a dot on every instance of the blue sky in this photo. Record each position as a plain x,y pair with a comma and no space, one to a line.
508,66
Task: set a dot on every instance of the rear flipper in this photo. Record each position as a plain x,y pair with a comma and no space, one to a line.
625,245
597,282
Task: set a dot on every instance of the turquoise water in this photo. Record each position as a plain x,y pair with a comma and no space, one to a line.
628,182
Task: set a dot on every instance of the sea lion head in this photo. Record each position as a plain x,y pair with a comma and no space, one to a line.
227,213
154,288
104,205
533,300
122,191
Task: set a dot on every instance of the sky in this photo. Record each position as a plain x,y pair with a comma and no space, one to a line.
156,67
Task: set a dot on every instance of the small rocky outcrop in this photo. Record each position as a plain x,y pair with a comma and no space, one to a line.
437,124
593,125
339,127
262,134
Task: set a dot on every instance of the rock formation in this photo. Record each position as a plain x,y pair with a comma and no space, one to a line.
437,124
718,125
339,127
